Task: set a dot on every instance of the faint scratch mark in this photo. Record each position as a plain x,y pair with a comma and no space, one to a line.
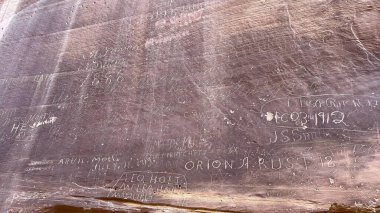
360,44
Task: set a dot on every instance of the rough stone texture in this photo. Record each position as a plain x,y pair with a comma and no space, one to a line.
185,105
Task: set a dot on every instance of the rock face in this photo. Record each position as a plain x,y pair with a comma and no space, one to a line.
184,105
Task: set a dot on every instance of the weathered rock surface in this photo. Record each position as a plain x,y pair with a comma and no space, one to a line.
185,105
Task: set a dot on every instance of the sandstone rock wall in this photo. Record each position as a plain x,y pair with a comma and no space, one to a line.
185,105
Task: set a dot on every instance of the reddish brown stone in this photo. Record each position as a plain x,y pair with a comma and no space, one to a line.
184,105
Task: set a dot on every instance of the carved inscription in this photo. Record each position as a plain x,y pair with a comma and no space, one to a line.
144,185
324,112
